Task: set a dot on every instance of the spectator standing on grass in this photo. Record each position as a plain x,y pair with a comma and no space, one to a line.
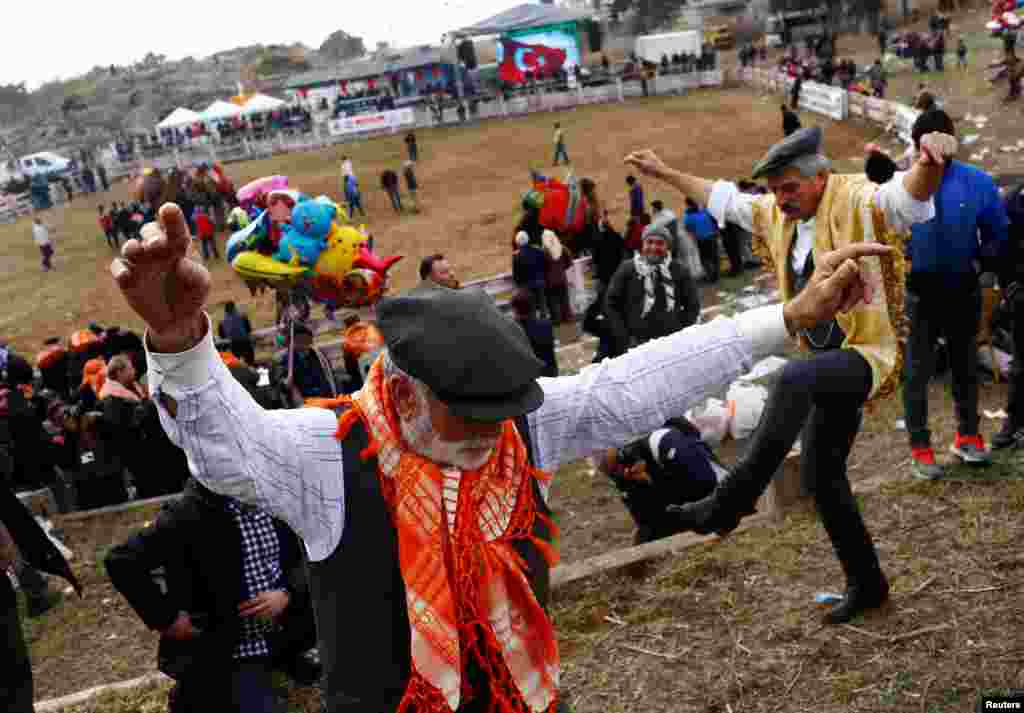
961,54
559,139
353,197
412,147
1012,431
703,228
235,606
943,297
236,328
207,236
556,282
666,218
637,204
529,269
389,182
790,121
540,332
412,185
312,375
106,224
41,237
650,296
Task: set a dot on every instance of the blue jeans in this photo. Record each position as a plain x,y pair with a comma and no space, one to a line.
560,152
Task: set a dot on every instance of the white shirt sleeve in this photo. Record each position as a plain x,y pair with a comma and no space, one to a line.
286,462
728,205
901,209
618,400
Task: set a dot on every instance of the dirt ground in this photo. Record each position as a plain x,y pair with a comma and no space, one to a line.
471,180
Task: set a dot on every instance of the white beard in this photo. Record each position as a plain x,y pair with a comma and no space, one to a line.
419,433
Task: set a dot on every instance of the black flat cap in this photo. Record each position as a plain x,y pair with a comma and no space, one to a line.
476,360
802,142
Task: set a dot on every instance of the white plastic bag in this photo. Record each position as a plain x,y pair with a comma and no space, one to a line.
746,402
712,420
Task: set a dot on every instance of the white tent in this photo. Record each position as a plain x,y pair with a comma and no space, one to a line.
220,109
261,104
179,117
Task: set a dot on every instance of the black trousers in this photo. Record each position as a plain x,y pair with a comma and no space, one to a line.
246,686
708,248
956,317
732,238
16,685
822,396
1015,399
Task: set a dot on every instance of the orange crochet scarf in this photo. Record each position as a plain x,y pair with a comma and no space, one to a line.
467,594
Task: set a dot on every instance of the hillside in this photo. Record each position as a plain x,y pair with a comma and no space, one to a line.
93,109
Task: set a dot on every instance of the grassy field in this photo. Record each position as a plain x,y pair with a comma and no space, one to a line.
471,180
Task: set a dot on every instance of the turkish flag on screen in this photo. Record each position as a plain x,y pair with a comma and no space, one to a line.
519,58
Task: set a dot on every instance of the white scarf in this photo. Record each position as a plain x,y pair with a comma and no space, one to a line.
645,270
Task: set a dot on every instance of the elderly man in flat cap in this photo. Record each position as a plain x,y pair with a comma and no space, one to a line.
651,295
421,505
856,356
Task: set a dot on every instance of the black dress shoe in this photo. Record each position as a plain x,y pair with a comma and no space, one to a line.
859,598
707,515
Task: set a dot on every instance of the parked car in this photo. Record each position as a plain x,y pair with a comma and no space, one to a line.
46,163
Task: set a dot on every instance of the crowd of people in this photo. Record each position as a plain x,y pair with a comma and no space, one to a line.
422,473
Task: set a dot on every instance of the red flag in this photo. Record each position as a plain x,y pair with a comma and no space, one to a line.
519,58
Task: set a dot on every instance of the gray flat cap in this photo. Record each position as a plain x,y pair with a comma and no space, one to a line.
657,230
802,142
476,360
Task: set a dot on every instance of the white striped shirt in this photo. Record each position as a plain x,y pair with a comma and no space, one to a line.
289,463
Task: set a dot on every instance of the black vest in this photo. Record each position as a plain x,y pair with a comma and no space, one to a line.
824,335
359,595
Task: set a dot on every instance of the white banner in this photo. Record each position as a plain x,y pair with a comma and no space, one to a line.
823,99
379,121
711,79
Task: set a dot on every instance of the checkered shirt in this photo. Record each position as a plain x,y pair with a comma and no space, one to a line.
261,572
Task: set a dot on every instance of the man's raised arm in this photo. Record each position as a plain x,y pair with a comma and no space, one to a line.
610,403
286,462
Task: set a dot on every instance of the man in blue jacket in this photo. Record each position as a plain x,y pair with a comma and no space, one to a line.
702,226
943,298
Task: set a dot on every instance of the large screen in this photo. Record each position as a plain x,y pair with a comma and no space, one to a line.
540,52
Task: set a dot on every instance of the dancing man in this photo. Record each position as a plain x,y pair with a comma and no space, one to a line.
856,356
422,508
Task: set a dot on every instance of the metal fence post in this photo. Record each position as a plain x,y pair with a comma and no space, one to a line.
618,84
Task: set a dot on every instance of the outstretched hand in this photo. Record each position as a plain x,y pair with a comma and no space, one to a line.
162,285
647,162
837,285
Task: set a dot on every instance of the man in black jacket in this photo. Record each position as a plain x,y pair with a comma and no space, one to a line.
18,527
650,296
234,605
1012,432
